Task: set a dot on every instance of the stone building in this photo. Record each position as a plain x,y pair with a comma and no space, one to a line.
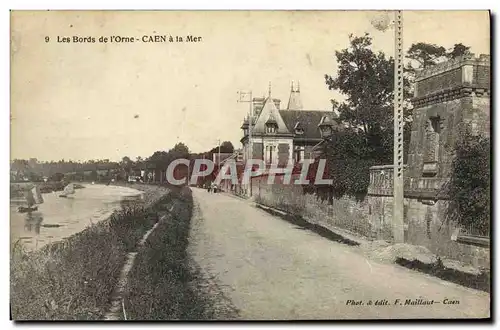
448,97
280,135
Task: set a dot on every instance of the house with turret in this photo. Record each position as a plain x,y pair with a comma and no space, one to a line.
282,135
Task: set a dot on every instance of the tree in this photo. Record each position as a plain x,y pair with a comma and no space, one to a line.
227,147
179,150
366,79
469,187
458,50
126,164
159,159
423,55
426,54
126,160
19,165
366,119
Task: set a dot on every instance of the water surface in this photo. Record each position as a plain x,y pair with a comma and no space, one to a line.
58,218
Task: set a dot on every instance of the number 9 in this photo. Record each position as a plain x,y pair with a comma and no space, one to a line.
47,39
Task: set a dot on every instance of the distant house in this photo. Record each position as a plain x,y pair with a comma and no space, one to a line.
280,135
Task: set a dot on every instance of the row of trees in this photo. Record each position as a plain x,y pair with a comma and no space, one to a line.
33,167
96,170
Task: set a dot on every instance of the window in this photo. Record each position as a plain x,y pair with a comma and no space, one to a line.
431,158
271,124
298,129
270,154
271,128
299,153
433,133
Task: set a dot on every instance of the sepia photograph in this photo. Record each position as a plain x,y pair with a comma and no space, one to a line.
285,165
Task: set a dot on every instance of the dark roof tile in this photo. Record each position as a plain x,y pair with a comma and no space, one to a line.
308,119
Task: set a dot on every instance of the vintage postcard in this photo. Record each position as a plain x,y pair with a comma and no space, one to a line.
250,165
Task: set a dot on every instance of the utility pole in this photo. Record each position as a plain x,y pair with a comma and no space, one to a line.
398,206
250,126
218,161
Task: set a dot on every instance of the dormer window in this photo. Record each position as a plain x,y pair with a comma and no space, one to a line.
271,125
325,127
299,130
271,129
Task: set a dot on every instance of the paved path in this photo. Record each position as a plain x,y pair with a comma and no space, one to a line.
271,269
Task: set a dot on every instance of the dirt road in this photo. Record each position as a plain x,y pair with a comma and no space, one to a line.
270,269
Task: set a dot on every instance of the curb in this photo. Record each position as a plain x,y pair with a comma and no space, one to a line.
316,228
479,281
236,196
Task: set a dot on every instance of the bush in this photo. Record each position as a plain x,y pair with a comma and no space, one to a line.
469,186
349,155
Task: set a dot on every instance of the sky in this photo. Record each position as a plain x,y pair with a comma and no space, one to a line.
85,101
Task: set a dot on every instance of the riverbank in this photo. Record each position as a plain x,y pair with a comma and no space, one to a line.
151,193
73,279
59,218
17,188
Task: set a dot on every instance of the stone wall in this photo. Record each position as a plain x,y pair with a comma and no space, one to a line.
428,226
346,212
425,221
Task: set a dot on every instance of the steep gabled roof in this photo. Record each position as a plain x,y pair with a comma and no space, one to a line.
271,120
270,110
308,120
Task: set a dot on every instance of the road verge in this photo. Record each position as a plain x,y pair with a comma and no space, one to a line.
407,255
161,284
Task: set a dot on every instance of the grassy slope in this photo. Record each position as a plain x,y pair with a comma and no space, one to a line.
72,280
161,285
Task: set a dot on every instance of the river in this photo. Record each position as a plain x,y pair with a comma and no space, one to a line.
58,218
